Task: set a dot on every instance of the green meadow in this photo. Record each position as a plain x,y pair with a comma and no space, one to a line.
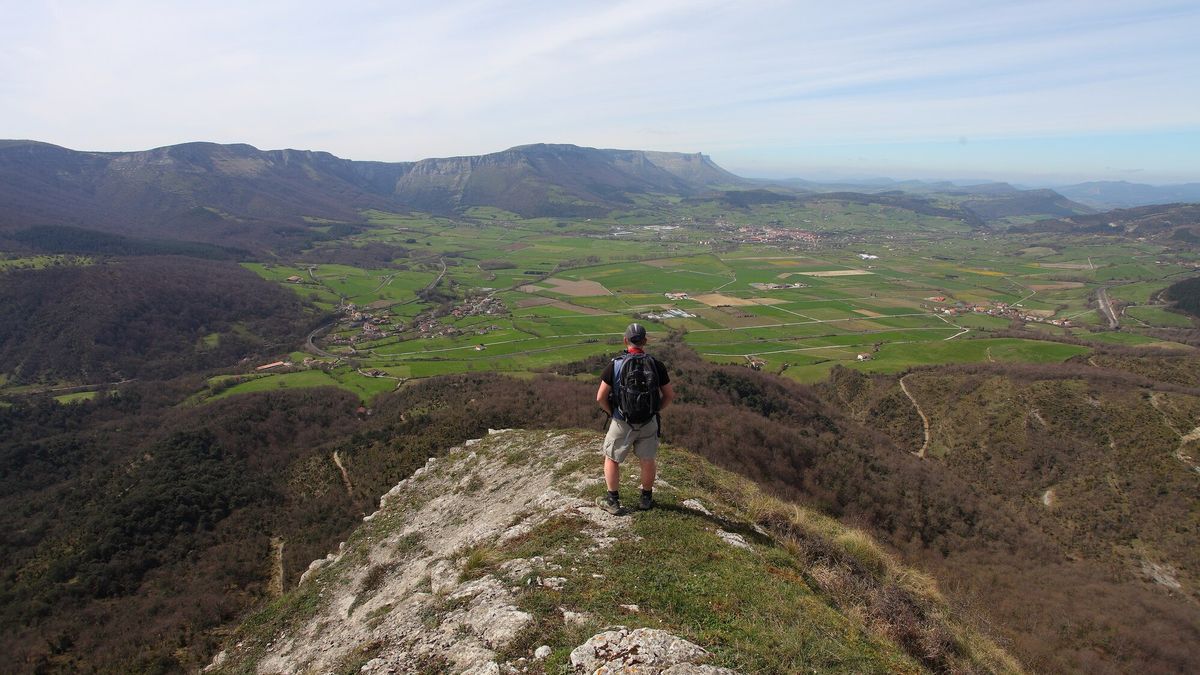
569,286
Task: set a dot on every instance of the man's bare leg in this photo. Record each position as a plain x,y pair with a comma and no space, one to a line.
612,474
649,469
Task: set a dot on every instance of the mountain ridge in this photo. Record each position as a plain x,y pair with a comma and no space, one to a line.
235,195
1122,194
201,191
493,558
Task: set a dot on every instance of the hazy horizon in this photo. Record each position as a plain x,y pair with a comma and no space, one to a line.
1032,92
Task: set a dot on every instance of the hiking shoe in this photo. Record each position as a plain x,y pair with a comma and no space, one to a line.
647,502
609,504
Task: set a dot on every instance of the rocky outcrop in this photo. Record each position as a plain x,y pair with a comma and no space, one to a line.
642,650
494,559
405,590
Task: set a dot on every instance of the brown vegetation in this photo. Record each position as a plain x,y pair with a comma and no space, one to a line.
1057,583
141,317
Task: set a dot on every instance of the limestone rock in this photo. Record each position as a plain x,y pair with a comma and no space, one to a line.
642,650
733,539
554,583
217,662
491,668
574,618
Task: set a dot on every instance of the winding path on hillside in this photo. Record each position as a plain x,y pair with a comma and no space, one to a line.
924,419
337,459
68,389
1184,439
276,584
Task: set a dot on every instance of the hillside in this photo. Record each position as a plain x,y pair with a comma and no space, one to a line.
231,195
993,206
156,317
1179,222
1098,465
237,195
990,203
241,201
495,559
1073,588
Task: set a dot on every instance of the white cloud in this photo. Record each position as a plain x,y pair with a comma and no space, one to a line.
380,80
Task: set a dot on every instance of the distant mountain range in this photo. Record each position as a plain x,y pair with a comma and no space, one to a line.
1098,195
226,193
240,197
1105,195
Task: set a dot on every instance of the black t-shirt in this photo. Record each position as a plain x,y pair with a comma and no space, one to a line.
659,370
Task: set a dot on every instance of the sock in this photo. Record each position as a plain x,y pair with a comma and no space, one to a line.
648,493
612,494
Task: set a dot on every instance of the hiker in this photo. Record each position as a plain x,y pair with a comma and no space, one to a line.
633,389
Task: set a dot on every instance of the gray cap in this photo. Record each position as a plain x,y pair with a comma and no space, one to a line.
636,333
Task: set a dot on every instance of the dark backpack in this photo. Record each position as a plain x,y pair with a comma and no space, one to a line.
635,387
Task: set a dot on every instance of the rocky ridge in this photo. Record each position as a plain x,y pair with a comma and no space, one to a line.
495,559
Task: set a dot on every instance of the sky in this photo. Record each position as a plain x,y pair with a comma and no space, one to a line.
1034,92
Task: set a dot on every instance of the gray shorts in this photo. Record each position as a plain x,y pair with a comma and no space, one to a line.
623,437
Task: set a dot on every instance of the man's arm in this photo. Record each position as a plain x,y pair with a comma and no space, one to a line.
665,395
602,397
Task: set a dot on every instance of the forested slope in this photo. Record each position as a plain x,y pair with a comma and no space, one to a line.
155,317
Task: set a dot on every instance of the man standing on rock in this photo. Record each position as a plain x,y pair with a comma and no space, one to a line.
633,389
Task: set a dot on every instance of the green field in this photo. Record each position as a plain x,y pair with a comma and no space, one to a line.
1116,338
567,287
77,397
1157,316
366,387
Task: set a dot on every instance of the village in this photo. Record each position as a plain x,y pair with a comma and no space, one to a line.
751,234
776,286
374,326
996,309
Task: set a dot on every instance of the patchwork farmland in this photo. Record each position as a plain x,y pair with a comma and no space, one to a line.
493,292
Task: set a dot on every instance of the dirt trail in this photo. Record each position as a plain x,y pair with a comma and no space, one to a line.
1191,436
924,420
1037,415
276,585
345,474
